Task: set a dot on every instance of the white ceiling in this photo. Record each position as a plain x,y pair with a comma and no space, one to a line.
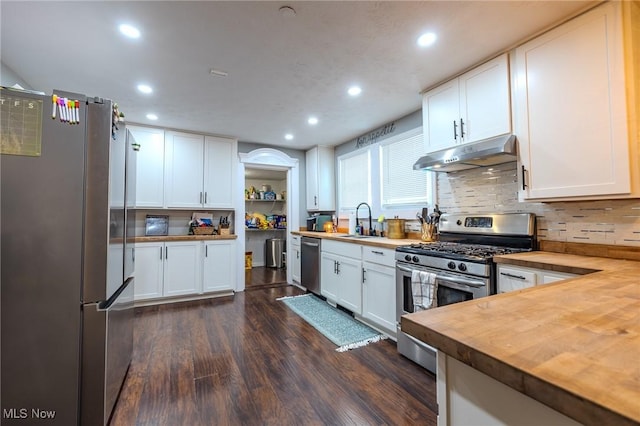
280,69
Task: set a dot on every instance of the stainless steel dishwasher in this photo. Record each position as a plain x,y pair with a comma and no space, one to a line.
310,264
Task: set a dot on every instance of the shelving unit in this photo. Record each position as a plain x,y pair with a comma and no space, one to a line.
256,237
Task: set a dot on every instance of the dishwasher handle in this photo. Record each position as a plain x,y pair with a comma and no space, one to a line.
306,243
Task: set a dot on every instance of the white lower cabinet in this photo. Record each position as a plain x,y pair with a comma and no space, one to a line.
379,295
183,268
547,277
328,278
293,258
349,277
379,287
512,278
341,274
219,266
149,270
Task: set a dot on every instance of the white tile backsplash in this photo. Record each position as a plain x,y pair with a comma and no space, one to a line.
495,189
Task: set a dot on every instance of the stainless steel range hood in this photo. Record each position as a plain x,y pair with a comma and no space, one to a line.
487,152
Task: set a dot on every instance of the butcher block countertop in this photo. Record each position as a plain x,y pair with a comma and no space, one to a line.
169,238
382,242
573,345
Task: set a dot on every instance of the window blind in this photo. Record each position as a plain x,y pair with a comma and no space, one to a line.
355,184
400,184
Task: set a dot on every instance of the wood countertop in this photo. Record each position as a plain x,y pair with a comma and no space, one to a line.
573,345
382,242
169,238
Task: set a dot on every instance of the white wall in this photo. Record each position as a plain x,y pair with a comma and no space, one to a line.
8,78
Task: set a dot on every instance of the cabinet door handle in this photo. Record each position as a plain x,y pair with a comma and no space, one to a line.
518,277
524,184
297,255
315,200
206,251
200,197
363,276
160,253
205,197
166,252
455,130
461,129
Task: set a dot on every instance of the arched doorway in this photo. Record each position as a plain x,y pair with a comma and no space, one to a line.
271,159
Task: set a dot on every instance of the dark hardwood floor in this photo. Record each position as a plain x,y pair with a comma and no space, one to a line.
249,360
263,277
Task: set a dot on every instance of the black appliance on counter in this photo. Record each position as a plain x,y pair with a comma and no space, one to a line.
316,222
461,263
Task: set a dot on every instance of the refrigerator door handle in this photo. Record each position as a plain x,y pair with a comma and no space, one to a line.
107,346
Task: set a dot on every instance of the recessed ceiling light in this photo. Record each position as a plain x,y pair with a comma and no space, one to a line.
354,90
144,88
152,116
426,39
312,120
287,11
217,72
129,31
288,136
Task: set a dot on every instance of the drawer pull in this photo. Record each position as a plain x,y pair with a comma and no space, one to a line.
377,252
519,277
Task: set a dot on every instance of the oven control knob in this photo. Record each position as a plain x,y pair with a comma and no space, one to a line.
416,259
407,258
451,265
462,267
458,222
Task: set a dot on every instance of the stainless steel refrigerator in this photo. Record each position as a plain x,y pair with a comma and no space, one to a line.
66,259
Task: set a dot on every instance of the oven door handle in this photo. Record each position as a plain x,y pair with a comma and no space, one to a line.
400,268
461,281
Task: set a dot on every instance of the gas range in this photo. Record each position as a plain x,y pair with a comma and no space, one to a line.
474,259
469,242
457,268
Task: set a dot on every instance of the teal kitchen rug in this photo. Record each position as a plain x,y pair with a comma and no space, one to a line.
337,326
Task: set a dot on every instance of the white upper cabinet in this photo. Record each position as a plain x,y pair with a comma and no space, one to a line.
321,192
149,166
219,167
184,169
441,116
571,110
470,108
485,103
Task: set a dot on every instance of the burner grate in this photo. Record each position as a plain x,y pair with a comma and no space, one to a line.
474,250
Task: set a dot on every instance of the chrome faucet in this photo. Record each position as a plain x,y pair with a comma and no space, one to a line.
357,222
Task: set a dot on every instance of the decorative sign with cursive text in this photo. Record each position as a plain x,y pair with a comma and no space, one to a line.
374,136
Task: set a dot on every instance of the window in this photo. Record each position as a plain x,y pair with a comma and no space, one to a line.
382,175
399,183
354,178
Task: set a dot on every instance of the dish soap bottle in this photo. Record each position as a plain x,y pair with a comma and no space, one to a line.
352,224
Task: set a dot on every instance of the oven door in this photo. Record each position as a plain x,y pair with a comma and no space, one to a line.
451,287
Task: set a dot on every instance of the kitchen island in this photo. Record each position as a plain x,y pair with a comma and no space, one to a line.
573,346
